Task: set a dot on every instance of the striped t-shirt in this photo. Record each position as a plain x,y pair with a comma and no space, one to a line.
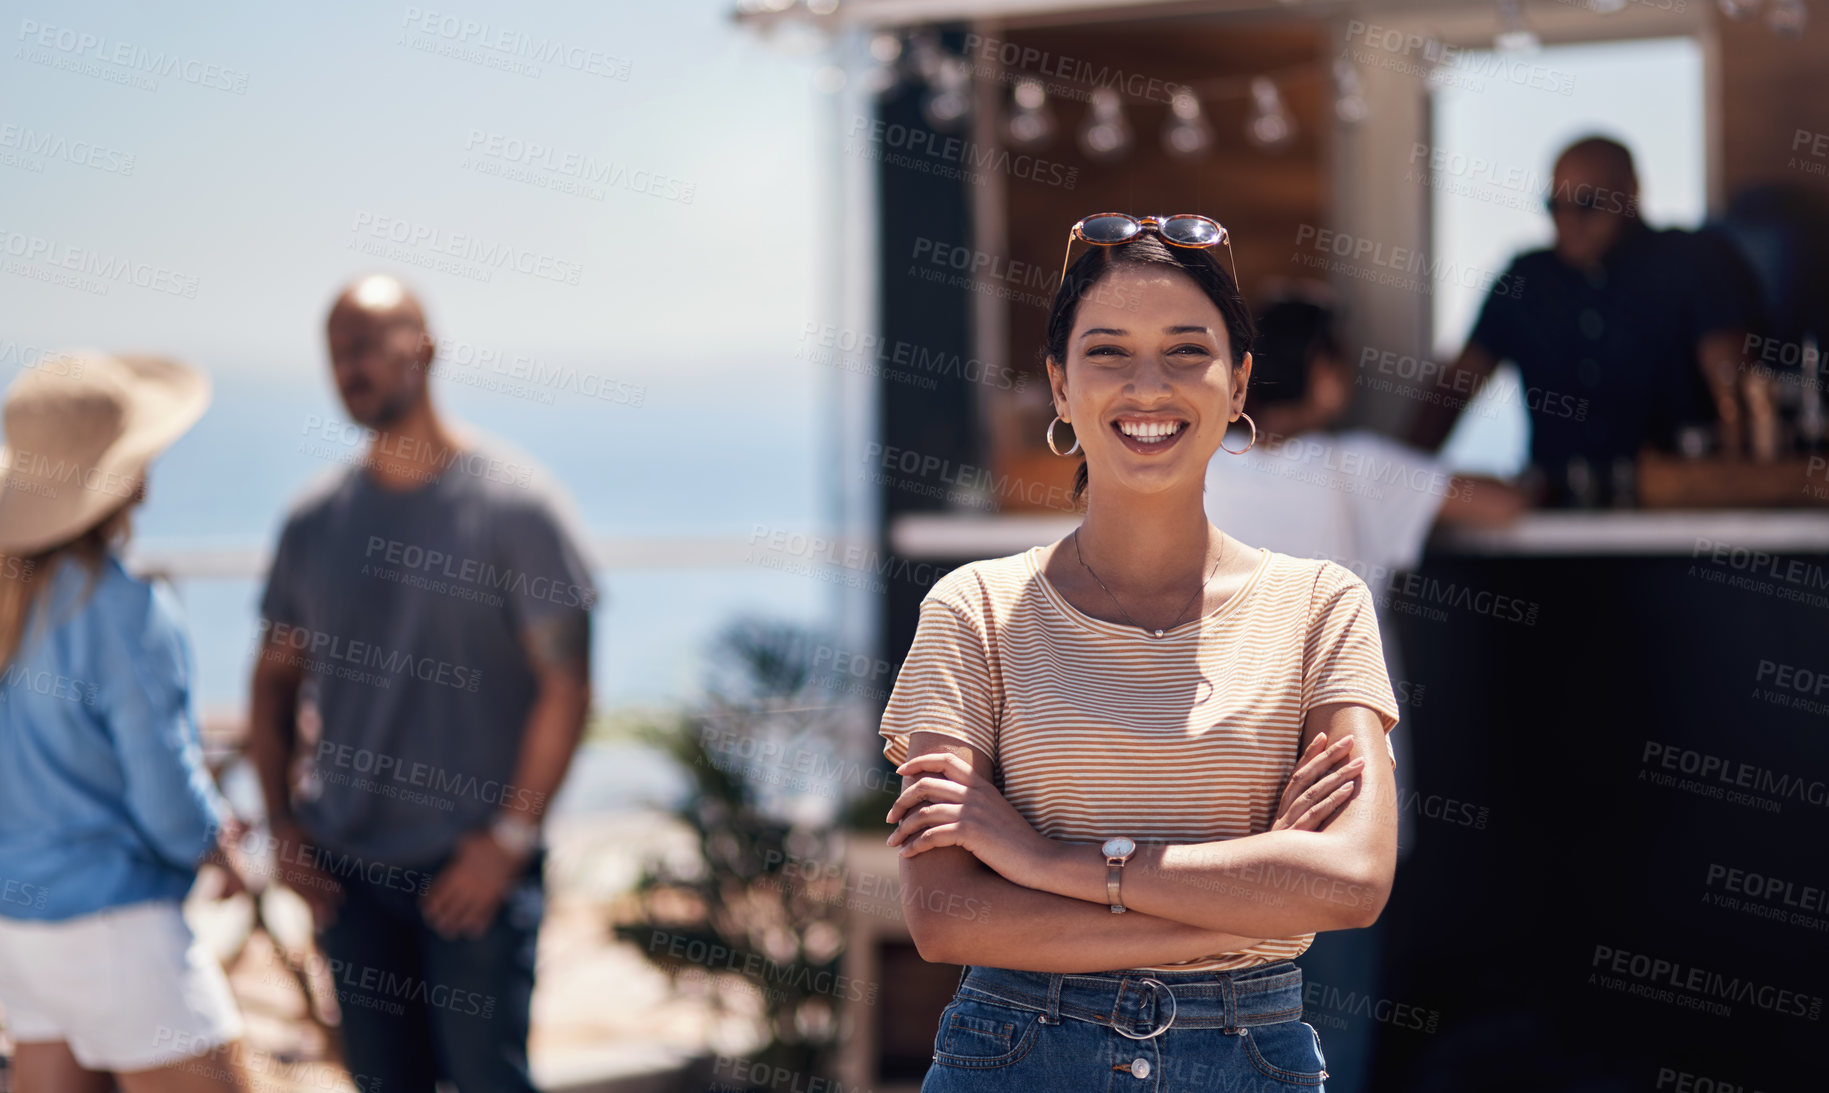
1099,729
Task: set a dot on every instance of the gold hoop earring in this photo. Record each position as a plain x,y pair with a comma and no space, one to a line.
1247,447
1050,438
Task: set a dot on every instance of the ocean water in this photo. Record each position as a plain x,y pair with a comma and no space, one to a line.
705,454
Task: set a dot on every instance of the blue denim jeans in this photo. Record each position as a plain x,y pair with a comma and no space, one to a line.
1127,1032
418,1007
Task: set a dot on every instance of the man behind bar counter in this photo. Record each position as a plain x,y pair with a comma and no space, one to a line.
1623,334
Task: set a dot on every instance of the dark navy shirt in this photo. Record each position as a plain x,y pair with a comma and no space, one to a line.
1608,359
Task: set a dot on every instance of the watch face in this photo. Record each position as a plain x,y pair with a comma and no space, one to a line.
1119,847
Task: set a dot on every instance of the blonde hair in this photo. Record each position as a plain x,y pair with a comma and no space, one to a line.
23,575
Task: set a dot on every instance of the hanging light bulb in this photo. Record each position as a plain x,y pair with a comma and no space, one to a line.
1349,93
1786,18
924,53
1270,126
1515,35
949,98
1738,10
885,51
1186,134
1031,124
1106,135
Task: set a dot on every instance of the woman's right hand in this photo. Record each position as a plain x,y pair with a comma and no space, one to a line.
1324,780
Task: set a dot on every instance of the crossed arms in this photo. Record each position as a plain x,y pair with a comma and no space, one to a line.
1326,863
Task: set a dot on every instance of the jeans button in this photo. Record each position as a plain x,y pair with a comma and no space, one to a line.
1139,1067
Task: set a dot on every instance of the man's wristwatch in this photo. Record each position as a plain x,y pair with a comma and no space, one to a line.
1117,851
516,834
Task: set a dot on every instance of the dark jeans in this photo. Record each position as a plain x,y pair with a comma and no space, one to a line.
418,1007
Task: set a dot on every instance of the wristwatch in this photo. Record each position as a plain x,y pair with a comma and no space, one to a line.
516,834
1117,851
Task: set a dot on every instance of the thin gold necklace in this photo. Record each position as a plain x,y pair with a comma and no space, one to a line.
1114,599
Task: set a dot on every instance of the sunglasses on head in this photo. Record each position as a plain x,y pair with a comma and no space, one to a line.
1586,204
1180,230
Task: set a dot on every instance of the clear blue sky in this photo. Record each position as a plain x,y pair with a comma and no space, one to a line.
256,195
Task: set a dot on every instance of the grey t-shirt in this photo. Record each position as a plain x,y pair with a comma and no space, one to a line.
406,610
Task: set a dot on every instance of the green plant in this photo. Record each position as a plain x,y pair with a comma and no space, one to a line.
760,913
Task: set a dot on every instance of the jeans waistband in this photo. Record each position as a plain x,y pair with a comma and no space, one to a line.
1143,1004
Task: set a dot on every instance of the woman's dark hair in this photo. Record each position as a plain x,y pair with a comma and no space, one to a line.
1084,279
1290,335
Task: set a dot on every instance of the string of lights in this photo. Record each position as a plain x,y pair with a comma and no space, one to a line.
1105,131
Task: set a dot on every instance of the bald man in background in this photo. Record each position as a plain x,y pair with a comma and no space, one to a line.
1622,334
432,603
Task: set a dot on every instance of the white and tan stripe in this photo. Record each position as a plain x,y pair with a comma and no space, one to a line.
1100,729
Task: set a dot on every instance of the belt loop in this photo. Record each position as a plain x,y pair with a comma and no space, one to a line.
1229,991
1053,1016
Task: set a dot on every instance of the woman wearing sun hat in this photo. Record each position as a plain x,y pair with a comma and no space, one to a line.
106,809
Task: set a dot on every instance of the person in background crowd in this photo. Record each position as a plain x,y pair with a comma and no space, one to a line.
1310,489
106,808
1623,335
438,605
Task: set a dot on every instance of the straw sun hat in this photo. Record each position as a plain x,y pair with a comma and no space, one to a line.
81,426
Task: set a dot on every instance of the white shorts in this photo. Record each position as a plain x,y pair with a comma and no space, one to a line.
129,988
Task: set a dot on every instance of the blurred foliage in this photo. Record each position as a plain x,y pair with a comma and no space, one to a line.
757,919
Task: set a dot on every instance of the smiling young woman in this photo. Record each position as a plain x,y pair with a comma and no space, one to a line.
1143,748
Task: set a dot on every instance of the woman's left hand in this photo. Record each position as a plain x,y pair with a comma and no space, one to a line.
949,805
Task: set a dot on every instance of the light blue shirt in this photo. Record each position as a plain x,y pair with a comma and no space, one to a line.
104,799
